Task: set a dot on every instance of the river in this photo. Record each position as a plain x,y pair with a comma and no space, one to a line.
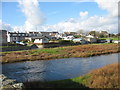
48,70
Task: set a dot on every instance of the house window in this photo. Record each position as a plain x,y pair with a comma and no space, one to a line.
19,34
14,34
23,34
14,38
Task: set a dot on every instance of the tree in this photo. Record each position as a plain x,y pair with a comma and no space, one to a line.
93,33
80,31
112,35
77,36
118,34
102,34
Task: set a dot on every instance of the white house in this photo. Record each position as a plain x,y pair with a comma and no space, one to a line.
80,40
41,40
91,39
90,36
16,36
69,37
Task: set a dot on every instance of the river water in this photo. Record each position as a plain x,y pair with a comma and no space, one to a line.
48,70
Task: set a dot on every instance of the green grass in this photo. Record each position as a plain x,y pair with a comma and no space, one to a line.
82,80
52,50
7,46
111,38
47,50
78,82
36,51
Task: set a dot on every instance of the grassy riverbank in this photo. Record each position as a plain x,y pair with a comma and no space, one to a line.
59,52
105,77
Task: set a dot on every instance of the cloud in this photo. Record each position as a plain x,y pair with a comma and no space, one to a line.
83,14
87,24
108,22
34,16
4,26
110,5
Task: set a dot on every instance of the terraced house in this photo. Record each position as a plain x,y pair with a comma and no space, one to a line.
16,36
38,37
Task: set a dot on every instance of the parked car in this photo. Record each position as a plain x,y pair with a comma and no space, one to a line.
116,41
21,43
101,40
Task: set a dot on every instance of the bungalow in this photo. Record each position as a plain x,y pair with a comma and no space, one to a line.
41,40
69,37
91,39
80,40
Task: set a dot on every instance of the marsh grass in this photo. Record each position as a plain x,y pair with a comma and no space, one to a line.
105,77
60,52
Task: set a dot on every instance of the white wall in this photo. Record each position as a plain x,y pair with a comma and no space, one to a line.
43,40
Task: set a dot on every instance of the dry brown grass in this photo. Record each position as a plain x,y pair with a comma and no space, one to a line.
60,52
105,77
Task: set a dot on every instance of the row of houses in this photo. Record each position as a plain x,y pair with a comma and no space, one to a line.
42,37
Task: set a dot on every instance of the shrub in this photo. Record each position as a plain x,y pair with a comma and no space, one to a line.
66,42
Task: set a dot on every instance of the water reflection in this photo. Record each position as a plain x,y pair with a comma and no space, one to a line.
56,69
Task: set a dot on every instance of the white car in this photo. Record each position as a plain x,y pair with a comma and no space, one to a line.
21,43
116,41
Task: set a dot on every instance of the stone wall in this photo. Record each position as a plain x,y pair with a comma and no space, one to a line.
6,84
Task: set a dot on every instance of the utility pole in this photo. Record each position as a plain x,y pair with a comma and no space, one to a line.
110,40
